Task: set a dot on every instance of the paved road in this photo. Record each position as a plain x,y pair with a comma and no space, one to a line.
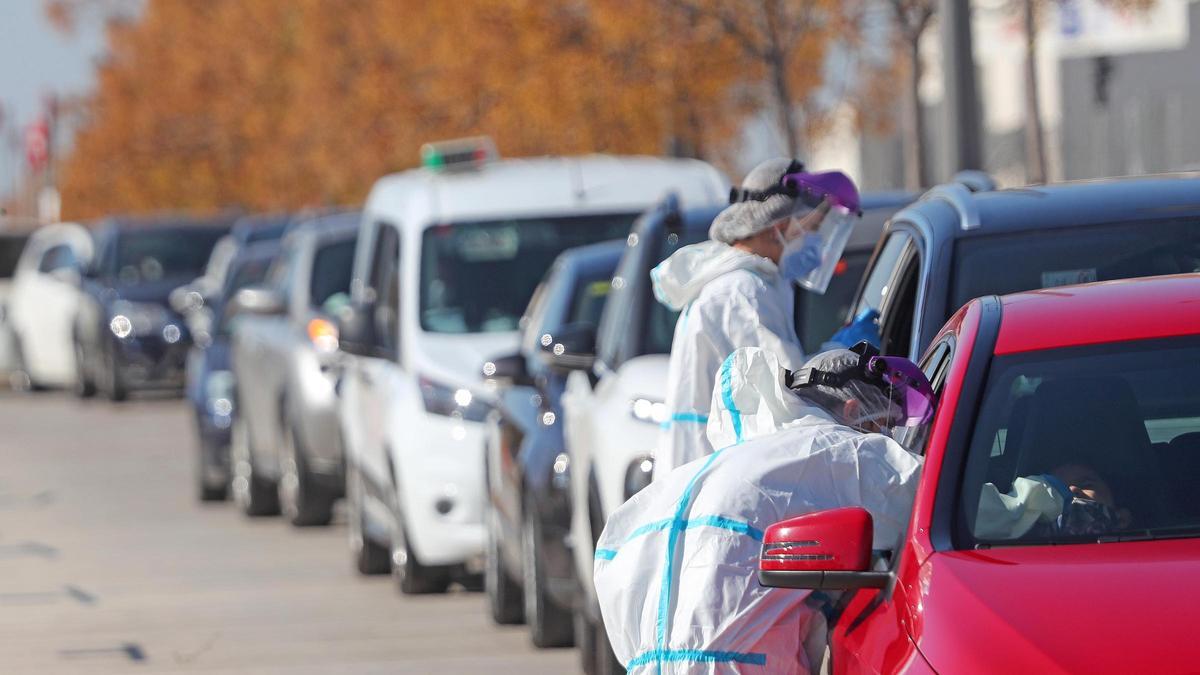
109,565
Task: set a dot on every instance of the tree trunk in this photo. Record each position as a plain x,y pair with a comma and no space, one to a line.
915,170
1035,152
784,106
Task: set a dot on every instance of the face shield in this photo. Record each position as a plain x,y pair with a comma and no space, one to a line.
827,207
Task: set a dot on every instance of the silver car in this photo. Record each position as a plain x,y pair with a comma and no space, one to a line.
285,446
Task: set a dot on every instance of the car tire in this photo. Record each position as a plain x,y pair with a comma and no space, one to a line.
205,491
412,577
505,599
253,495
550,623
85,387
302,500
369,557
20,379
116,389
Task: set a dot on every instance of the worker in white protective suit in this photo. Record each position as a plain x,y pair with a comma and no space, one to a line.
783,227
676,565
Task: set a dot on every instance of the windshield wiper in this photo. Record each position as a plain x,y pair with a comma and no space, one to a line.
1152,534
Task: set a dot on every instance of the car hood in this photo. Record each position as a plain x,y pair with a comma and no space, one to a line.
458,359
1113,608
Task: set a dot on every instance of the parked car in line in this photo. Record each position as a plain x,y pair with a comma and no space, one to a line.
1086,393
12,242
954,245
42,301
448,258
126,336
614,405
530,572
195,300
285,446
210,382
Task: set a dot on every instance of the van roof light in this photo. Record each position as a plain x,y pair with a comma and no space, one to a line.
458,154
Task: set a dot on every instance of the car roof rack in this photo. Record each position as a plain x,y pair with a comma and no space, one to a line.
960,198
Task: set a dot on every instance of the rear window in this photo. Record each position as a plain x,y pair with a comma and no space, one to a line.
152,255
10,251
1001,264
1086,445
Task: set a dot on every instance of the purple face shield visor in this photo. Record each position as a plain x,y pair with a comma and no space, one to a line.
907,386
813,188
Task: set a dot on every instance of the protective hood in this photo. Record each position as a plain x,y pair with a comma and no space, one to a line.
679,279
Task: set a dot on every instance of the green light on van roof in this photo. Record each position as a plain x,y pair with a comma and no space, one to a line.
464,153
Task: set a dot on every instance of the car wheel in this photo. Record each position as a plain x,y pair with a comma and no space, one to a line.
411,576
19,379
504,594
304,503
550,624
84,386
206,491
369,557
254,496
116,390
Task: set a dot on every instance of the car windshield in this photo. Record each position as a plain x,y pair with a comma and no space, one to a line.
661,320
147,256
1002,264
478,277
331,271
1086,444
821,315
10,251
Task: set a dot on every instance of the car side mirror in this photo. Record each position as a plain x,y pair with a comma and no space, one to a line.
572,347
356,330
512,368
826,550
257,300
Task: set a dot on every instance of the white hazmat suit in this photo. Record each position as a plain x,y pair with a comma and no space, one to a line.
728,299
676,565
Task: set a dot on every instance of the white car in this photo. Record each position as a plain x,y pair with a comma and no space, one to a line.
42,304
448,257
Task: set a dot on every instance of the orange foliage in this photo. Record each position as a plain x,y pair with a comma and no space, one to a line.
279,104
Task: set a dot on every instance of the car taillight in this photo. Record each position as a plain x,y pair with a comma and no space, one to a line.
324,335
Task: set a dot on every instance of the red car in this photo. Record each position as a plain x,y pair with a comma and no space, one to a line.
1088,392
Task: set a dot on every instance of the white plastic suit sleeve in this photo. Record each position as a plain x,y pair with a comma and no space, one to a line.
1031,501
751,399
676,565
748,306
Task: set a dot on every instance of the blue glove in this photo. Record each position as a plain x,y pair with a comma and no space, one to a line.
864,327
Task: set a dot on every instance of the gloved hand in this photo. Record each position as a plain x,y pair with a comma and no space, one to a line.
864,327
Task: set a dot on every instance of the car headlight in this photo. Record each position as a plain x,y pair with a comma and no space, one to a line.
638,475
648,410
452,402
219,396
140,319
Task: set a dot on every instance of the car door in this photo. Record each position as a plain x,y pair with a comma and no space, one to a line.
868,632
49,300
373,372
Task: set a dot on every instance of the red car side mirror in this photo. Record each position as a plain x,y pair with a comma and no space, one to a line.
826,550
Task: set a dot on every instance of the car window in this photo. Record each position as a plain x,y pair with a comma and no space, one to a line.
1001,264
477,277
900,304
152,255
384,280
331,270
875,288
658,330
1112,431
57,257
935,365
11,246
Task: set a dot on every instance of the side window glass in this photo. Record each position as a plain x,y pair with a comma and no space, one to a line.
900,304
614,319
876,287
384,281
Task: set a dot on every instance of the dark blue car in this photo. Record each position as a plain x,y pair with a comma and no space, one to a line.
127,337
530,567
210,380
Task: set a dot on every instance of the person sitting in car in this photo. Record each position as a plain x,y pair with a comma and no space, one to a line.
1073,499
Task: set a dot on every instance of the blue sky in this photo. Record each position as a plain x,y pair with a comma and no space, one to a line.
36,59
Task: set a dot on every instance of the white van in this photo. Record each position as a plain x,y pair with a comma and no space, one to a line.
448,256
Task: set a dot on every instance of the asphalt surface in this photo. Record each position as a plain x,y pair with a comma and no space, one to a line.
108,564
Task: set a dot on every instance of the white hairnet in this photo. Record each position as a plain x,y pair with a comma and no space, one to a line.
747,218
874,404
